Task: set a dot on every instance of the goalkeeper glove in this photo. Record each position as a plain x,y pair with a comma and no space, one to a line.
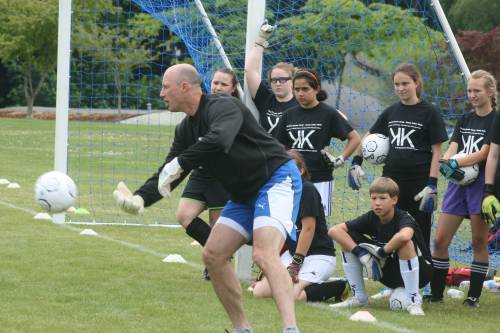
266,30
355,173
171,171
490,206
450,170
332,161
126,201
294,267
376,251
428,196
371,264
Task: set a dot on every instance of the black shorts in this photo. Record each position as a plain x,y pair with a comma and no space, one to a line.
391,272
206,190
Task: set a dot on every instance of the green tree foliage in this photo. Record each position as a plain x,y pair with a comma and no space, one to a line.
479,15
28,42
116,41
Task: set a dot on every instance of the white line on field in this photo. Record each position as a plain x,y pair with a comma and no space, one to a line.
322,306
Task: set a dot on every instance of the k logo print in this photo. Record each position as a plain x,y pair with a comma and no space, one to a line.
470,144
402,138
301,139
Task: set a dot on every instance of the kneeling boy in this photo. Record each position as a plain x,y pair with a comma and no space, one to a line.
388,243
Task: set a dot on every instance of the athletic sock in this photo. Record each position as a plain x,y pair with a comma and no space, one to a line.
477,275
440,270
354,273
317,292
198,230
410,273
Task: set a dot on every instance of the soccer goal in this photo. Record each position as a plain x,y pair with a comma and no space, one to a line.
120,48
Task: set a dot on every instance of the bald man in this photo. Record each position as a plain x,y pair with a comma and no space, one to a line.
220,135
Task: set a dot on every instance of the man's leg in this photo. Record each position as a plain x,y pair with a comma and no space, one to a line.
221,245
267,242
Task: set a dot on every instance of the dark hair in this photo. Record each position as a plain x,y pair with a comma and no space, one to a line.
299,160
234,79
384,185
412,71
312,78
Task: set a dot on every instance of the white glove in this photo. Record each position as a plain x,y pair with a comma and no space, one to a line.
331,160
371,265
354,176
126,201
171,171
428,199
266,30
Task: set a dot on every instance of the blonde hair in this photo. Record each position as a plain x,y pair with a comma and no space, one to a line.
412,71
384,185
490,83
289,68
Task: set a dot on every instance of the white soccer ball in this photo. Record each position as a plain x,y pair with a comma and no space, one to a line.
399,299
375,148
55,191
471,172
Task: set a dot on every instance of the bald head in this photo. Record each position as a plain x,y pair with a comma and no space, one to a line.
183,73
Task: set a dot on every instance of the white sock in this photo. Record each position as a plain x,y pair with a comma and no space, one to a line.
410,274
354,273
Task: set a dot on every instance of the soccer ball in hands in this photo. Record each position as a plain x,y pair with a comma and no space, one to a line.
55,191
399,299
375,148
471,172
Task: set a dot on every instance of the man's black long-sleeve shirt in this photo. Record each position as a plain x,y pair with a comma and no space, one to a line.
224,139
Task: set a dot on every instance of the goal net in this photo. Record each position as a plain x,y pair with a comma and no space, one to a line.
120,48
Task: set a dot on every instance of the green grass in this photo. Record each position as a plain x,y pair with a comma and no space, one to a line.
54,280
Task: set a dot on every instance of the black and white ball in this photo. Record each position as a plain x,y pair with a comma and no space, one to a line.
375,148
471,172
55,191
399,299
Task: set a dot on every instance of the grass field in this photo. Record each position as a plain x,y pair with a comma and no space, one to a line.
52,279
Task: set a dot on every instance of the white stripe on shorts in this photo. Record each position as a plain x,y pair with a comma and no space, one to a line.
234,225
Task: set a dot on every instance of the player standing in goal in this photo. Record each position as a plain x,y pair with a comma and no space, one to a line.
202,191
416,132
388,243
472,138
309,127
221,135
311,260
271,103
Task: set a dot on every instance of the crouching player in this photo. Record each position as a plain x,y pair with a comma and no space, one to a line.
388,244
311,260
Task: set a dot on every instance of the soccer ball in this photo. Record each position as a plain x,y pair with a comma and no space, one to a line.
471,172
375,148
399,299
55,191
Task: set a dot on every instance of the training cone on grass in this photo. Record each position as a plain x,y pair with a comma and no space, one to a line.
174,258
42,216
4,181
195,243
363,315
88,232
14,185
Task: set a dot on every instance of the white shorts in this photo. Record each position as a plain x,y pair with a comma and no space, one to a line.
317,268
325,190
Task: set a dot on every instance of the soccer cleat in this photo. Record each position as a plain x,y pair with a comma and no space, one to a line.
432,299
205,275
352,302
471,302
415,309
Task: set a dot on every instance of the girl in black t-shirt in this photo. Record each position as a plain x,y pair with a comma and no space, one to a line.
311,260
273,100
471,137
309,127
416,131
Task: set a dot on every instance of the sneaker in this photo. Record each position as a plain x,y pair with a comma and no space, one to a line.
471,302
382,293
205,275
352,302
415,309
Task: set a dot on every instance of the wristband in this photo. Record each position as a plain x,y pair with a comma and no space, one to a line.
298,259
489,189
357,160
432,181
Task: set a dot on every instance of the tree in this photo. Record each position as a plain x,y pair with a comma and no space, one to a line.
28,42
481,50
480,15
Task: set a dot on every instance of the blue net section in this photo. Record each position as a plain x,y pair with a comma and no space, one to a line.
121,48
